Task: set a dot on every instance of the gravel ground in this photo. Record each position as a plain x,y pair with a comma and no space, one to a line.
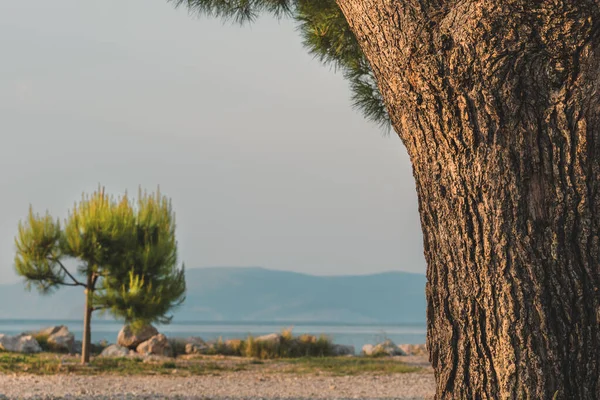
231,385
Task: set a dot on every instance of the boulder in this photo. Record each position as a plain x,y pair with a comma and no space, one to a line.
274,338
367,349
192,348
157,345
342,350
59,338
387,348
114,350
414,349
130,339
195,345
19,344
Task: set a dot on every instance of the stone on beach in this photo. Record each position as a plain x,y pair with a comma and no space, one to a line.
157,345
414,349
192,348
59,338
195,345
367,349
114,350
22,343
386,348
130,339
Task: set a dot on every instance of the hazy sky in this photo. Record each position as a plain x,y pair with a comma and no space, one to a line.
254,141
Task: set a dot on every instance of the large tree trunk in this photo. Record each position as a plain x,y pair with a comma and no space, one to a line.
498,105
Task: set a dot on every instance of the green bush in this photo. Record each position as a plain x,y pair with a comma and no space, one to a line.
42,341
288,347
47,346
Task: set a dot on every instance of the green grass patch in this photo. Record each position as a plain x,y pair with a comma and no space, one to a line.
50,364
341,366
42,364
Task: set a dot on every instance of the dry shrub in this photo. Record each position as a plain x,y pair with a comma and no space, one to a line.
177,346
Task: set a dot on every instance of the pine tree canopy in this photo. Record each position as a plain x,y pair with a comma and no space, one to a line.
126,254
325,33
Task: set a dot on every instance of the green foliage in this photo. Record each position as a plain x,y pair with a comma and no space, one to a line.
239,11
43,342
150,283
126,252
39,253
288,347
325,33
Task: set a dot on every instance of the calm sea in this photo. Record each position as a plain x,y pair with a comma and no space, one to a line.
349,334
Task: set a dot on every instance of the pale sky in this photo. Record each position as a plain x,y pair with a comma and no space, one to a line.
254,141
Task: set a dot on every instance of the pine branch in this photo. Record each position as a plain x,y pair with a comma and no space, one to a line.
326,35
66,271
238,11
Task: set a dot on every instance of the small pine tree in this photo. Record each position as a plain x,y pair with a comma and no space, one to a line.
127,257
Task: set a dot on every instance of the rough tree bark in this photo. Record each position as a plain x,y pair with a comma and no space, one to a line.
498,105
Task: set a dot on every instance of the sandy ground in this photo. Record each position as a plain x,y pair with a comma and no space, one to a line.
228,385
239,385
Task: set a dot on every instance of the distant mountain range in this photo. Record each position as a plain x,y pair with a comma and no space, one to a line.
257,294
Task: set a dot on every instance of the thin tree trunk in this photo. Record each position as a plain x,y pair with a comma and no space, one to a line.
498,104
87,321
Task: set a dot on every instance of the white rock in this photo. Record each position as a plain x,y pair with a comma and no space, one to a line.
386,348
20,344
114,350
59,338
157,345
414,349
367,349
196,348
130,339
